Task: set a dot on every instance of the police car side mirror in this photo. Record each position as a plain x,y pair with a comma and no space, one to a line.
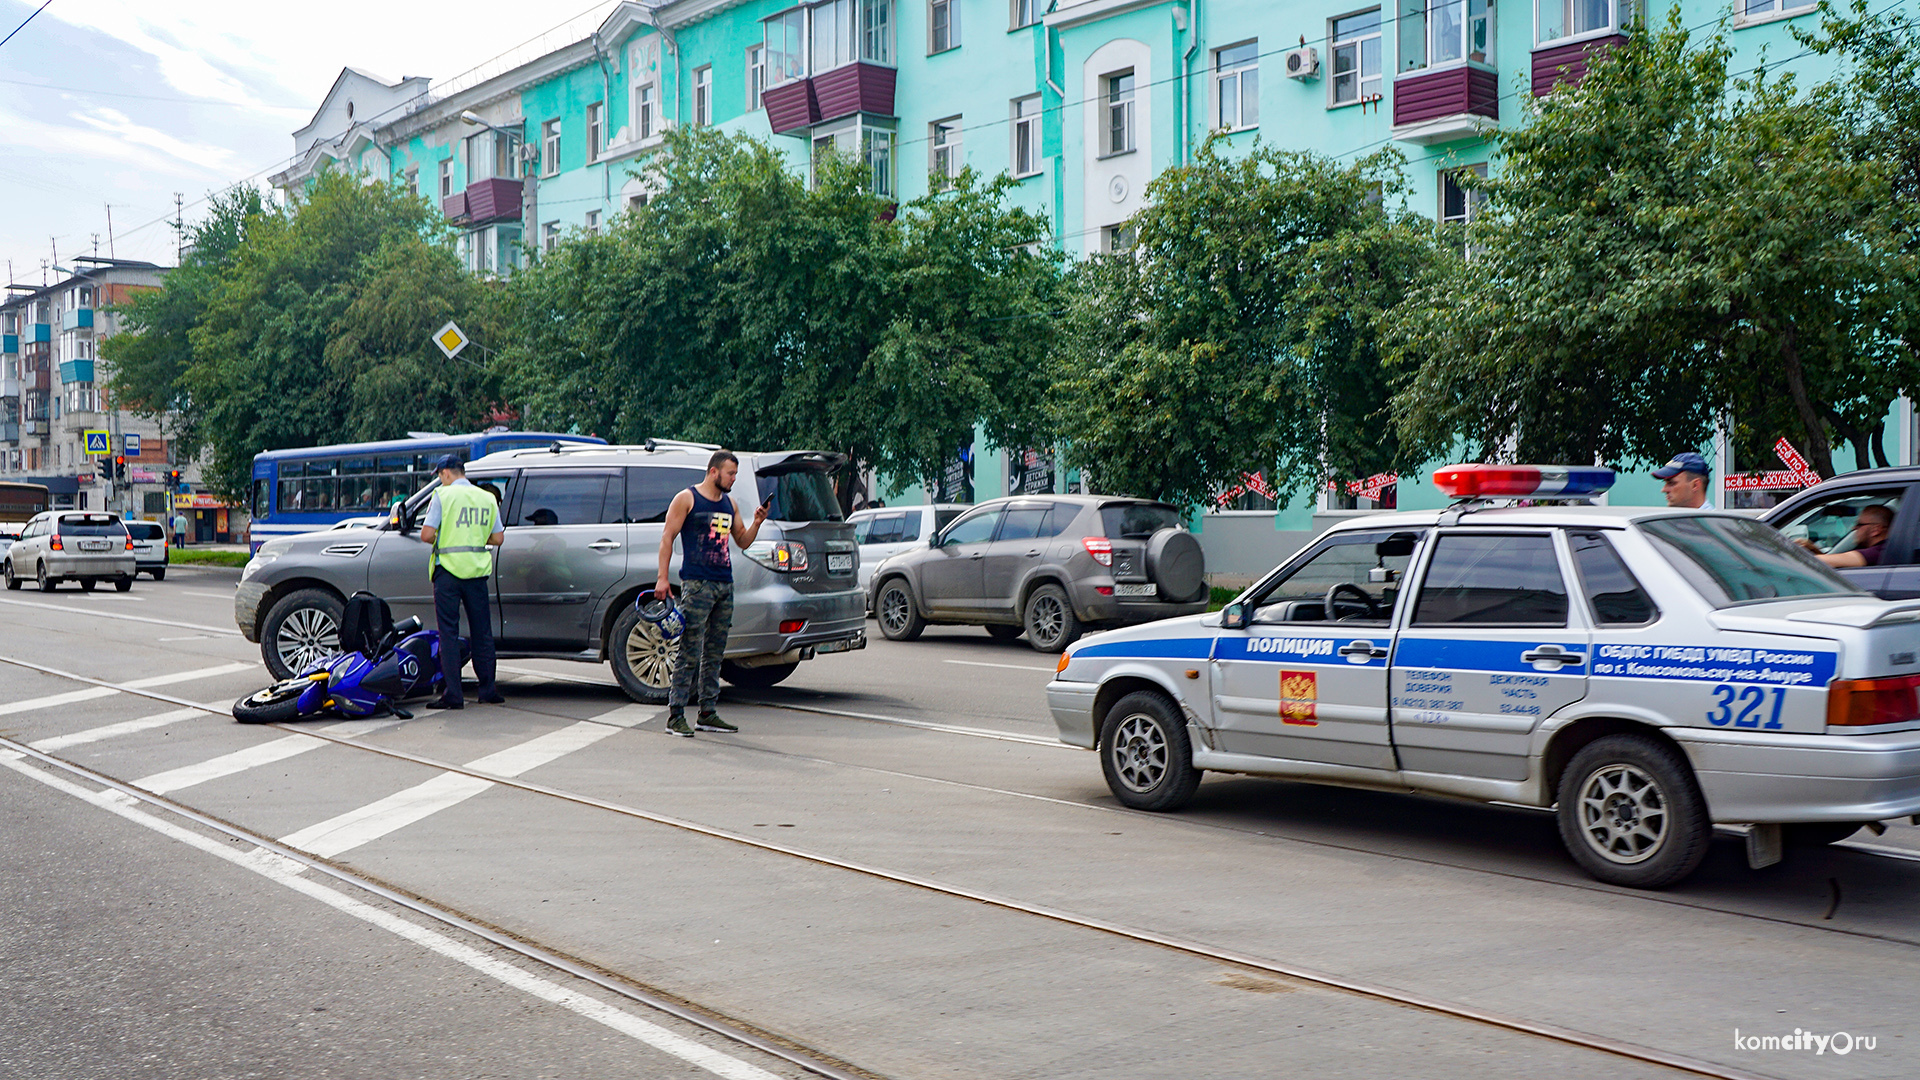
1236,617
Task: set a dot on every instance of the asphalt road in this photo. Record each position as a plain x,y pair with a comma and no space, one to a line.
892,866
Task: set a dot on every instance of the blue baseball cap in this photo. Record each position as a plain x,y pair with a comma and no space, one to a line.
1687,462
452,461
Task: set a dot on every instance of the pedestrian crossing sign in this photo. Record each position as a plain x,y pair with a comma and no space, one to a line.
99,442
450,339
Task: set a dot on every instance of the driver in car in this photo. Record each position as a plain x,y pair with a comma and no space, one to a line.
1870,530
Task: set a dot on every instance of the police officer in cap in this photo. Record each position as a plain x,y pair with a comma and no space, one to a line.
1686,481
463,528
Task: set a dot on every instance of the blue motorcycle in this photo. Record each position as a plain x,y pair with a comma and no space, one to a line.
383,664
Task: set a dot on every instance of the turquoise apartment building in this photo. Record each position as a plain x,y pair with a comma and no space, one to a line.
1084,101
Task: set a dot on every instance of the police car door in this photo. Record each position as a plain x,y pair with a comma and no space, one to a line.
1491,648
1301,683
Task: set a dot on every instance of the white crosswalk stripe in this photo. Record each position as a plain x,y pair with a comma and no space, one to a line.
111,731
252,757
52,700
187,676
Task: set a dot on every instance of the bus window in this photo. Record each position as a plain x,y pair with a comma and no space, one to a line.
261,488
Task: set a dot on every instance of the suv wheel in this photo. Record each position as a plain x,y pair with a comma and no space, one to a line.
6,571
641,659
1145,754
302,627
1051,623
895,612
1631,814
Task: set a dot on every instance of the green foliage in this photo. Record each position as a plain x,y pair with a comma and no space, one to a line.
1664,245
743,306
1241,333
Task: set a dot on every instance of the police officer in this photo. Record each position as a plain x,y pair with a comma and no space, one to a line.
1685,481
462,526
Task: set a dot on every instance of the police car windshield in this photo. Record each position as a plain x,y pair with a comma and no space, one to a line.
1735,561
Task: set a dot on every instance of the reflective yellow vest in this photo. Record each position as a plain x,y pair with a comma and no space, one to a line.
467,517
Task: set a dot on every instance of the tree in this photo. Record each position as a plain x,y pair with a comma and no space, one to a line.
1665,245
1241,333
743,305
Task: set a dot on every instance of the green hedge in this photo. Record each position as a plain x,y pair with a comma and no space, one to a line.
208,558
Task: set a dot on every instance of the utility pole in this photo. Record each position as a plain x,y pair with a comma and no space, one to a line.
179,228
110,253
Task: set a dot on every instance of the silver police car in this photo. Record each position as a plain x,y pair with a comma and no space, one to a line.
583,525
1650,672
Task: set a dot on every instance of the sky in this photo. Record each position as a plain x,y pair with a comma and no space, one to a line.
120,104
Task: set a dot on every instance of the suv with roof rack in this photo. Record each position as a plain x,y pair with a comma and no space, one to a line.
583,526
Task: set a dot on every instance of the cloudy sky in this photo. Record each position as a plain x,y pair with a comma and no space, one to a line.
122,103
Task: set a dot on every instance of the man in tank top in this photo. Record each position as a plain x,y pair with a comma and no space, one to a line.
704,518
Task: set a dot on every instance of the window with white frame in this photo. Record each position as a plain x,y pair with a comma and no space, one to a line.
786,45
844,31
944,150
876,31
492,154
943,25
446,177
1026,13
1236,86
1117,239
550,147
412,179
1458,202
702,96
1758,9
1355,44
876,150
646,118
1119,99
756,75
1555,20
1438,32
549,236
593,222
1026,135
596,130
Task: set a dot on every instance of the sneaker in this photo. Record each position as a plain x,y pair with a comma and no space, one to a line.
710,721
677,725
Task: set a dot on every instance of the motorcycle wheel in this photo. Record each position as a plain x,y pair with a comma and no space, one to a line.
277,704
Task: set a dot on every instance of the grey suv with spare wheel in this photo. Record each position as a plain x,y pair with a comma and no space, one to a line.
1048,566
583,527
71,545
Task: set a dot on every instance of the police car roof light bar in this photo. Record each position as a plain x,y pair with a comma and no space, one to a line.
1523,481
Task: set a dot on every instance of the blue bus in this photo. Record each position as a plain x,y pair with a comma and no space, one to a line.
317,487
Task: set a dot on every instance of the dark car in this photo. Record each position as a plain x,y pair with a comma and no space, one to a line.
1823,516
1049,566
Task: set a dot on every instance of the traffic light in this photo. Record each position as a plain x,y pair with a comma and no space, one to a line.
102,470
120,468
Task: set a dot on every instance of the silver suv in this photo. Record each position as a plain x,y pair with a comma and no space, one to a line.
1047,566
71,545
583,526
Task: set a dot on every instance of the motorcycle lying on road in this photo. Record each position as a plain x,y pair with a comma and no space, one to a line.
382,663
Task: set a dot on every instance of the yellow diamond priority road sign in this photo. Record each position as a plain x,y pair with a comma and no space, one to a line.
451,340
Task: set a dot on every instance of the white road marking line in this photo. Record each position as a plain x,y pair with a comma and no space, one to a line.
110,731
188,676
203,592
222,630
376,819
52,700
252,757
287,872
189,637
628,716
1015,667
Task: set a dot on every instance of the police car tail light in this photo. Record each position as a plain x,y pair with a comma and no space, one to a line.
1100,548
1867,702
1522,481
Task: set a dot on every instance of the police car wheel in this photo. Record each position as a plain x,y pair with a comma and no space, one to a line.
899,621
1631,814
301,627
1051,623
641,659
1145,754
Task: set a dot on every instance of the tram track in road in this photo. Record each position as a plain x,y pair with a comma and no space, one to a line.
821,1064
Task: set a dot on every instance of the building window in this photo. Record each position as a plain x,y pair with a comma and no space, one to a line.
549,236
1119,94
644,120
1753,9
876,31
1236,86
756,75
491,154
944,160
596,130
1117,239
943,25
412,179
1356,57
593,222
446,178
1436,32
702,96
1025,13
550,147
1557,19
786,44
1026,135
877,152
849,30
1458,204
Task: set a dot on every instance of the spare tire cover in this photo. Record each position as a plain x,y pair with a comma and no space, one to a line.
1176,564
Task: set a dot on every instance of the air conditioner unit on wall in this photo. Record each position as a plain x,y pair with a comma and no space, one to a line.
1303,63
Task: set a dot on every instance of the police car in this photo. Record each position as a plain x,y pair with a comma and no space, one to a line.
1652,672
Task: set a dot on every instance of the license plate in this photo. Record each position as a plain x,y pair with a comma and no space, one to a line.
839,564
95,545
1134,590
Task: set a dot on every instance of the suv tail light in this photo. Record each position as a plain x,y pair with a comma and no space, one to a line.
1866,702
1100,548
782,556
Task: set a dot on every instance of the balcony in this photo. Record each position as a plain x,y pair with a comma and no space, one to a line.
9,343
9,432
73,371
81,420
9,388
1453,103
1566,64
858,87
77,319
483,202
35,428
39,332
39,380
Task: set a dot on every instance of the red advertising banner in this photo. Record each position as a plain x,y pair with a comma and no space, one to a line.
1799,474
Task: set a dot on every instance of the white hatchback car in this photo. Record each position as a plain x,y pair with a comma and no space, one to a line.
886,531
1651,672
